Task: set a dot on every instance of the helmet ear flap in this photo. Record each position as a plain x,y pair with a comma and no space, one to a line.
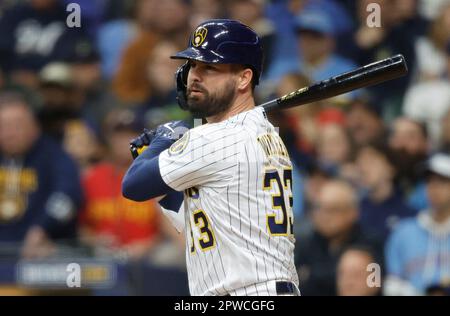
181,81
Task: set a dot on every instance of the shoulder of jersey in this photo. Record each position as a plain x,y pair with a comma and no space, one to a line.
180,145
207,132
202,133
213,131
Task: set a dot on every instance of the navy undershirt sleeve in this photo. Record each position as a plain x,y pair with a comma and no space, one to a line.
143,180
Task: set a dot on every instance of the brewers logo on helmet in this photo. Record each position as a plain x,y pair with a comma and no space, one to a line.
199,36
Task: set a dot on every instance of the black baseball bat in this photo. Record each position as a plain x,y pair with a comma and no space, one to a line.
366,76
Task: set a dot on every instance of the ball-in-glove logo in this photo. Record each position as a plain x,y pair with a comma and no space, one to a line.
199,36
178,147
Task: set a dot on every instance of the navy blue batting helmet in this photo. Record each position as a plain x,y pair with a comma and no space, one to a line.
220,41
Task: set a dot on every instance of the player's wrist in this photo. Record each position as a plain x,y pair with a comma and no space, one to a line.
158,145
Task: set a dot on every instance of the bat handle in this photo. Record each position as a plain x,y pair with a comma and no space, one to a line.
268,106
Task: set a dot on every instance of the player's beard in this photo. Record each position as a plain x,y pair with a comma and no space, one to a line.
210,104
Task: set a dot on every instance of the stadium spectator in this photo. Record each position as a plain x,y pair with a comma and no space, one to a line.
92,91
418,251
34,33
369,44
161,106
408,140
335,220
123,22
171,20
40,190
431,9
111,224
315,31
81,141
364,121
251,13
59,101
203,10
113,37
285,50
316,178
354,272
317,58
71,92
431,50
283,14
382,203
334,149
130,82
407,15
157,20
435,93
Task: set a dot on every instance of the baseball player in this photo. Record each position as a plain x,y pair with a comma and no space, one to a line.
234,171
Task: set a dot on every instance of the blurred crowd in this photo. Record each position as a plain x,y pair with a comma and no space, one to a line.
371,167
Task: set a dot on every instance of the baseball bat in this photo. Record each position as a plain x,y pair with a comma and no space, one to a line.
365,76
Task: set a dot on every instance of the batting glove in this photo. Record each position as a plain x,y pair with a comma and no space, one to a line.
171,131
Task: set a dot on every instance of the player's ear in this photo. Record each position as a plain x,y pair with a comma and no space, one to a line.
245,78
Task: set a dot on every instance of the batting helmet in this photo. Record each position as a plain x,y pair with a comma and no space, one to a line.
219,41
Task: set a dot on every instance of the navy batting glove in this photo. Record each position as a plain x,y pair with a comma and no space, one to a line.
173,130
165,135
141,142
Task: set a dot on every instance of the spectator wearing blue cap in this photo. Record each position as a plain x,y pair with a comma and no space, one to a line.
316,33
418,251
283,13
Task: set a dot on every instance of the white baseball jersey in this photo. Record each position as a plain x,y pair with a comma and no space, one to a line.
237,177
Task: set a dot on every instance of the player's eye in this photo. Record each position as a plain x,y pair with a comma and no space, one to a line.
210,67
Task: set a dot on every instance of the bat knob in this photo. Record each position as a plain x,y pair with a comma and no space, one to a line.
136,151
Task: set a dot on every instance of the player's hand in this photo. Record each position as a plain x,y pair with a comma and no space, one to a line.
172,131
140,143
